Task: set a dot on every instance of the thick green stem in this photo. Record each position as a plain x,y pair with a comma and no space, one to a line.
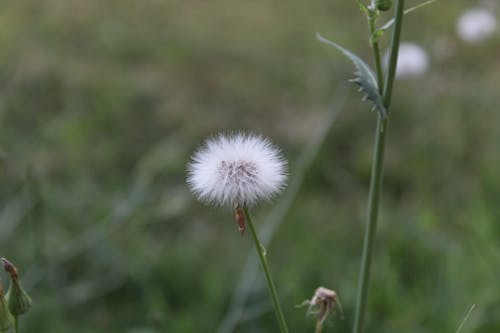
16,324
376,173
270,284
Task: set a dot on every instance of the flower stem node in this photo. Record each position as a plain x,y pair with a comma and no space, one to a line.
236,170
17,298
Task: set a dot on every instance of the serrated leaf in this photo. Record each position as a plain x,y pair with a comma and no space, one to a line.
380,31
365,78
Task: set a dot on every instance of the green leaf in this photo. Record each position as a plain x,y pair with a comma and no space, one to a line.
380,31
363,7
365,78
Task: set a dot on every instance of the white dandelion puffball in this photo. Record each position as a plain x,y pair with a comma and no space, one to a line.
412,60
476,24
238,169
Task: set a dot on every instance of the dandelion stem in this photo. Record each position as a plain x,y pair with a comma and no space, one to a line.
376,174
267,273
16,324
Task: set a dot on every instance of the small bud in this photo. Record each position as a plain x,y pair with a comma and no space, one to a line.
383,5
6,319
18,300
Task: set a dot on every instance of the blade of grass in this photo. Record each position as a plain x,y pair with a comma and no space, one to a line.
473,306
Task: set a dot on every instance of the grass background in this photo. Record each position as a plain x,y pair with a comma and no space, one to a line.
102,103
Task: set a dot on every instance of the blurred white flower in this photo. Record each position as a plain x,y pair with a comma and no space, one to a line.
412,60
476,24
239,169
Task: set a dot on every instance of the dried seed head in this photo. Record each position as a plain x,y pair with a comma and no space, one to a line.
321,305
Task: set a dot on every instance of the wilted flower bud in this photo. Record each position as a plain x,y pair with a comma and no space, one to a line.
321,305
18,300
383,5
6,319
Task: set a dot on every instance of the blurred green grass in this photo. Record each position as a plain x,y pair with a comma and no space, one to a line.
102,103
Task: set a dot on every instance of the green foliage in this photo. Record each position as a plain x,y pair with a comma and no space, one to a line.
364,8
105,101
365,78
379,32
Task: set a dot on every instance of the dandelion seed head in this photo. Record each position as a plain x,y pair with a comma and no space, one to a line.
476,24
236,169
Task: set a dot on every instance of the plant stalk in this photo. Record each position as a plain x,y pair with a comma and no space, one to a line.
267,273
376,50
16,324
319,327
376,173
393,57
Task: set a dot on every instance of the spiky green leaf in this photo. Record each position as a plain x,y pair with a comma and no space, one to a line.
365,78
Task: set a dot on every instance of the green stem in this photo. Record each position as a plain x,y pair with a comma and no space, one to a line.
376,176
378,66
371,224
376,50
393,58
319,327
272,289
16,325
